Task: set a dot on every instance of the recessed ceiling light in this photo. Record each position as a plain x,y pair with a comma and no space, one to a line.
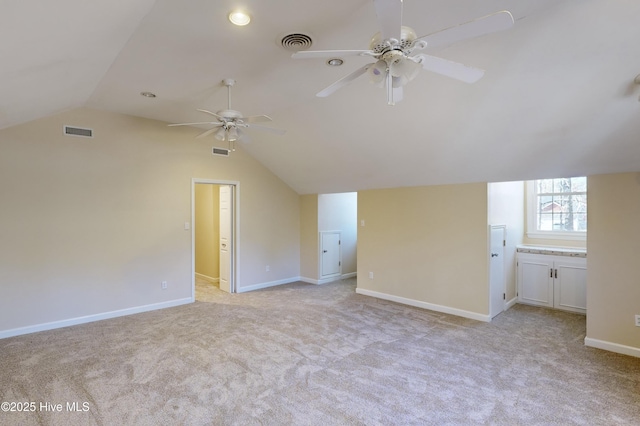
148,94
239,18
335,62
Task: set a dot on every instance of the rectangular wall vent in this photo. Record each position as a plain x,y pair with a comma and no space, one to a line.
220,151
78,131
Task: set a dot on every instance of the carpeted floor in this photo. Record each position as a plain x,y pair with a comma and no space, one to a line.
317,355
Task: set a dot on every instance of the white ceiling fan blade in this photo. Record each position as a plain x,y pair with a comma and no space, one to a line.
389,17
343,82
254,118
207,133
310,54
266,129
488,24
449,68
195,124
209,112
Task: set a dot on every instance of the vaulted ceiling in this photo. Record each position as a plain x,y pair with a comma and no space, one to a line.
557,99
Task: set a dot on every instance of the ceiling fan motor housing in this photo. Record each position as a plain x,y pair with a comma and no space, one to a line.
407,37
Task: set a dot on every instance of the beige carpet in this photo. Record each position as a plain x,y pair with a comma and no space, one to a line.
318,355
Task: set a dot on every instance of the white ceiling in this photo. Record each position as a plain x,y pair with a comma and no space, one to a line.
557,98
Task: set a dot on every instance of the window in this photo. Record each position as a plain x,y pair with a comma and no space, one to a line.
557,208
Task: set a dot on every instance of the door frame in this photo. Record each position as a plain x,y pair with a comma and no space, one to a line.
504,280
235,225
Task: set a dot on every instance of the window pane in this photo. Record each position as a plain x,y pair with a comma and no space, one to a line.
562,185
579,184
559,207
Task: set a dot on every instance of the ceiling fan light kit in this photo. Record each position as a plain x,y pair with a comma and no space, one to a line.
393,45
229,122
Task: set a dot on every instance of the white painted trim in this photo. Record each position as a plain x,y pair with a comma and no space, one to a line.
425,305
330,279
511,303
207,278
91,318
268,284
236,231
612,347
349,275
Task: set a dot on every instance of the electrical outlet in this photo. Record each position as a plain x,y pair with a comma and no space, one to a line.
370,275
164,285
637,320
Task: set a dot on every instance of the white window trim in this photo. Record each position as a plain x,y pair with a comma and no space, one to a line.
532,232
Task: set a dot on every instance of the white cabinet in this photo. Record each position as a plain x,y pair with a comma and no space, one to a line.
553,281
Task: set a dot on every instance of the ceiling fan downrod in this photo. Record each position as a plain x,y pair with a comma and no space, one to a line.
228,82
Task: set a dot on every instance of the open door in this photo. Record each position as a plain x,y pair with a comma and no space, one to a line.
226,238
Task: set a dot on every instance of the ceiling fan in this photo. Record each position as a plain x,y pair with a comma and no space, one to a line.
228,122
393,45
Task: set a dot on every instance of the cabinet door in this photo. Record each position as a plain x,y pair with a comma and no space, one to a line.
570,287
535,283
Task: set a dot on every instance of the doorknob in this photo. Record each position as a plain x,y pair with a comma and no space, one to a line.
494,254
324,251
224,245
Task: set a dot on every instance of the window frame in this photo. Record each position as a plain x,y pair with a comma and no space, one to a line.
533,232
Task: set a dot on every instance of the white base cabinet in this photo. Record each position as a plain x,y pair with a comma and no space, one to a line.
553,281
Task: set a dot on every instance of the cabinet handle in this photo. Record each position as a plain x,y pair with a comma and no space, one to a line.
556,273
551,273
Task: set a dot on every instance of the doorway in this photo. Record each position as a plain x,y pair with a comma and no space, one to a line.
215,233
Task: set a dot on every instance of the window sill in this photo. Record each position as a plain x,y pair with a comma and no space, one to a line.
567,236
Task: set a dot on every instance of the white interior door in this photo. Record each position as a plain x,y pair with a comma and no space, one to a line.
496,270
330,255
226,238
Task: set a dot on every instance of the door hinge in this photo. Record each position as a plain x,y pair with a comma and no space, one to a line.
504,296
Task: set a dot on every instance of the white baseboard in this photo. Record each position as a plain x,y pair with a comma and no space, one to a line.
612,347
207,278
328,280
425,305
268,284
91,318
511,303
322,281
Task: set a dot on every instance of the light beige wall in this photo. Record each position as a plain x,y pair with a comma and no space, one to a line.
506,207
426,244
207,229
309,237
94,225
339,212
613,278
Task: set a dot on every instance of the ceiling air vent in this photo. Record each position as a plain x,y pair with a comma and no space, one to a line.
220,151
296,41
78,131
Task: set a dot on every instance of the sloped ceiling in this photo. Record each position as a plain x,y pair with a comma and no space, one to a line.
557,98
